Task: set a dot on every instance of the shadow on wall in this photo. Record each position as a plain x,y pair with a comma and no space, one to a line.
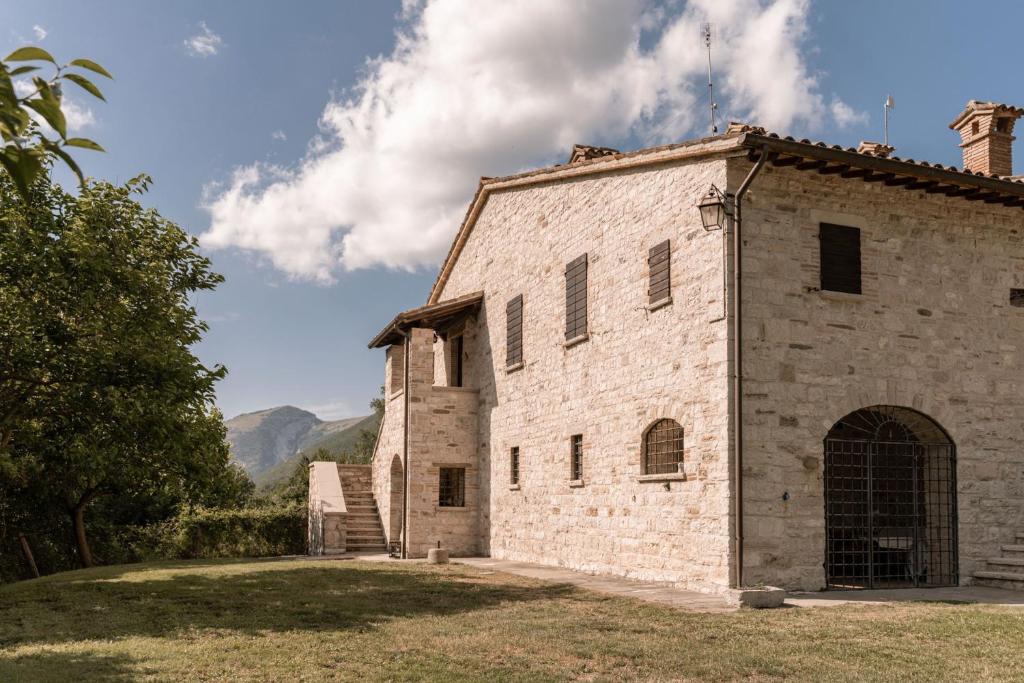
247,596
488,358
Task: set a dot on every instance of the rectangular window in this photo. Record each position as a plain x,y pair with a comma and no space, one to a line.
397,354
1017,298
658,260
576,298
514,465
840,258
456,366
576,464
452,487
514,331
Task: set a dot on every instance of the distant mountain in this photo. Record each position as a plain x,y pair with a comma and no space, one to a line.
335,443
263,439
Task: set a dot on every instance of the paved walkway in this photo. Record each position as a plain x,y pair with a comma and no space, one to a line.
981,595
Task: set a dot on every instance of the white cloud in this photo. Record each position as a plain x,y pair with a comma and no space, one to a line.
477,89
279,136
335,410
846,116
206,43
40,32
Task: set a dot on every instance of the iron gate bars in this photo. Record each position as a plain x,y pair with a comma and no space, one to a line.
890,512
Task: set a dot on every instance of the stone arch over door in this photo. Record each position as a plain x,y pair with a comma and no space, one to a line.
396,507
890,501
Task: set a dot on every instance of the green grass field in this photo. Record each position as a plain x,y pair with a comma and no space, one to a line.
283,620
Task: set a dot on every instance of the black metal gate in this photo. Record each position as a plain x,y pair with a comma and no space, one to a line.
890,508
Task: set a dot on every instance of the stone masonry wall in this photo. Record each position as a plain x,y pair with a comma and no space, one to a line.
636,367
387,456
932,331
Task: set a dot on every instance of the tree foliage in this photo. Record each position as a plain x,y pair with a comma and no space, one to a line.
25,144
100,392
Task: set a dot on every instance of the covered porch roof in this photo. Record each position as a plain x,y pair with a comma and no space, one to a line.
434,316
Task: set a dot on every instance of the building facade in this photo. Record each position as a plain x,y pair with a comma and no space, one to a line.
571,395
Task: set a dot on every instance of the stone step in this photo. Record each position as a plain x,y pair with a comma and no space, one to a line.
1012,580
1007,561
1013,549
375,539
374,546
359,514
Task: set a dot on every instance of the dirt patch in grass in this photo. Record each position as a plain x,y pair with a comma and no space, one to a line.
300,620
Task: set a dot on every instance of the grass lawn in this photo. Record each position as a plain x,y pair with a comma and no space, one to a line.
285,620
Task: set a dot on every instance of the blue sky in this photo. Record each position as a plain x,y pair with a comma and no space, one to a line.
327,170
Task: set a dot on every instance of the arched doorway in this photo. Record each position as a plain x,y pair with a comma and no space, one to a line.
396,507
890,501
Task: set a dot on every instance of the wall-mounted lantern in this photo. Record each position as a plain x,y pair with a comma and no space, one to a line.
715,208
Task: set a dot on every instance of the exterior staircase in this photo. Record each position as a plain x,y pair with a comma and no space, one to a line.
363,530
1007,570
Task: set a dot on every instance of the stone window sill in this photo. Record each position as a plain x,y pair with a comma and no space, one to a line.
576,340
514,487
575,483
838,296
451,508
660,303
515,366
670,476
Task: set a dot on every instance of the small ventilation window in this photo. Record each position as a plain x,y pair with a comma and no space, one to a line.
1017,298
513,468
452,487
576,457
840,258
975,128
456,348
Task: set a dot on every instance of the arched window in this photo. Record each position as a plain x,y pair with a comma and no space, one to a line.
663,448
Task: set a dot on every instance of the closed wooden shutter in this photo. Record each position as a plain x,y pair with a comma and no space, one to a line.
840,258
576,297
658,262
514,331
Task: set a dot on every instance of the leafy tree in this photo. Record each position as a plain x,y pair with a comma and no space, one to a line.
25,146
100,393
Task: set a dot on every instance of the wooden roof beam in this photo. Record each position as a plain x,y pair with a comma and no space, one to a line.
922,185
941,189
787,161
829,170
982,196
811,165
855,173
897,182
878,177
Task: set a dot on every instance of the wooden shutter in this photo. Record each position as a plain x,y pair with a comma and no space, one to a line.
576,297
514,331
658,262
840,258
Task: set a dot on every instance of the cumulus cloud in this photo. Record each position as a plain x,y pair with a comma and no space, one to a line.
846,116
475,88
77,116
40,32
206,43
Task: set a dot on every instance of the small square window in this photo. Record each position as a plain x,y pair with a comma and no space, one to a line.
840,258
576,462
514,465
1017,298
452,487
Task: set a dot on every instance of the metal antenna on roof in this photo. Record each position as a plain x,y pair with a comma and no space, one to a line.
889,105
706,29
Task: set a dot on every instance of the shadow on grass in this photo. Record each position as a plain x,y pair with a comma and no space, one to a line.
65,666
251,597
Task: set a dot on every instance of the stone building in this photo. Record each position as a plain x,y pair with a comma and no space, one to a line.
739,360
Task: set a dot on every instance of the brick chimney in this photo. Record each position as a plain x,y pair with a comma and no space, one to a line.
875,149
986,134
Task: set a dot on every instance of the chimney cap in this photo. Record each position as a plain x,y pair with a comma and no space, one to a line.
875,149
976,107
587,152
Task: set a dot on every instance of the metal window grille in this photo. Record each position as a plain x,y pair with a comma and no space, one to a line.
452,487
514,331
1017,298
576,297
890,504
840,258
514,465
576,459
659,265
663,448
456,369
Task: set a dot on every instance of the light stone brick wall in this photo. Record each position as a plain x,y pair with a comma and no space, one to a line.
387,457
933,331
638,366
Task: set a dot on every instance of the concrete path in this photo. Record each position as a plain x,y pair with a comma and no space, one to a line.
981,595
610,585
